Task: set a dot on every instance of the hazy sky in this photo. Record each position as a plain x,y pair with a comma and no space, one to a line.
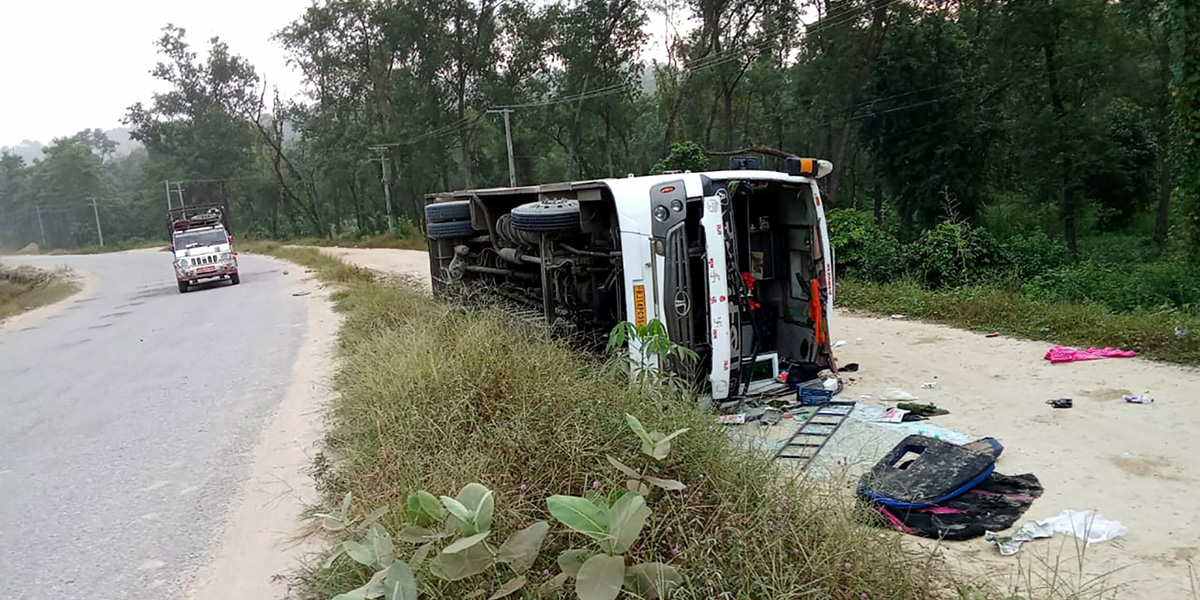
67,65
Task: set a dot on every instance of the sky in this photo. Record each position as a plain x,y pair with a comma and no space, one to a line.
68,65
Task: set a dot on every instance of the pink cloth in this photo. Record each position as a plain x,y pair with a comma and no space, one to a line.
1062,354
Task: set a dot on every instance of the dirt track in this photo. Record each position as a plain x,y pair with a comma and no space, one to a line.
1134,463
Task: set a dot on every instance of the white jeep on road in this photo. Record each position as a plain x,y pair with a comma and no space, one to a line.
203,250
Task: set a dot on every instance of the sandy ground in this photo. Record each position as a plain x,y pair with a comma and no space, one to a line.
1133,463
1136,464
261,543
407,263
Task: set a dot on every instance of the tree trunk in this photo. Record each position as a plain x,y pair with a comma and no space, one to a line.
1162,224
879,16
1066,196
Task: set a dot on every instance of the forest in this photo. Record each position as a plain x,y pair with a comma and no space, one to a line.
1050,141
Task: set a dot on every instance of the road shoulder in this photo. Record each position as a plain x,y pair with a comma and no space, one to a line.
262,539
86,286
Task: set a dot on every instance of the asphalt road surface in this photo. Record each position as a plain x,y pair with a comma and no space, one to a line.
126,423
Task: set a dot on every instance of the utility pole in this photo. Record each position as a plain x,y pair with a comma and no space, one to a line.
512,169
385,163
41,227
167,183
179,192
96,211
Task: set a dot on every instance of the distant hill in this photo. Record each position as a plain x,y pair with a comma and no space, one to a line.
31,149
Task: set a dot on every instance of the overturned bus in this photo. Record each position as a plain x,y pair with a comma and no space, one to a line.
736,264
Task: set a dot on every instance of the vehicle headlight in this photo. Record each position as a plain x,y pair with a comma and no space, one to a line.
224,257
183,262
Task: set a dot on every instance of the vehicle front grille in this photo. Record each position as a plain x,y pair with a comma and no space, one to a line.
206,260
678,300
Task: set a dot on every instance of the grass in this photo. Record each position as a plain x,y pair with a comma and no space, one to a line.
326,267
26,288
381,240
432,397
992,309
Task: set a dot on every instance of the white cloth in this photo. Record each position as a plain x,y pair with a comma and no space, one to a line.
1086,525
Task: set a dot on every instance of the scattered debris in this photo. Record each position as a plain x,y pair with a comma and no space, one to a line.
865,396
301,293
929,385
924,411
1062,354
285,272
738,419
987,445
1088,526
939,490
895,394
772,416
839,343
1181,332
922,471
1144,398
894,415
816,430
992,334
850,368
1011,544
1061,403
898,316
814,396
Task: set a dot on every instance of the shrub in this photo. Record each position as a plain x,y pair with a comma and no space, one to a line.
883,259
1121,287
953,254
862,249
1032,254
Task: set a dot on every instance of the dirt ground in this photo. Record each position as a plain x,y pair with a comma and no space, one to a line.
1133,463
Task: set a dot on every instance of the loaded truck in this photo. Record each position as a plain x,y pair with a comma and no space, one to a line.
736,264
201,245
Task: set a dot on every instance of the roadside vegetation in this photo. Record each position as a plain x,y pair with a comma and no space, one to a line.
407,237
133,243
1021,282
26,288
433,397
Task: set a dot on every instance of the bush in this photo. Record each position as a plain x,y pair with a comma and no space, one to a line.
1033,254
953,254
862,249
1121,287
883,258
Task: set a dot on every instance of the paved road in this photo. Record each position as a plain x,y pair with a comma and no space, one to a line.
126,422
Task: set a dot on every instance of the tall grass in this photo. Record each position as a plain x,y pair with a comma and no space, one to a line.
433,398
985,308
